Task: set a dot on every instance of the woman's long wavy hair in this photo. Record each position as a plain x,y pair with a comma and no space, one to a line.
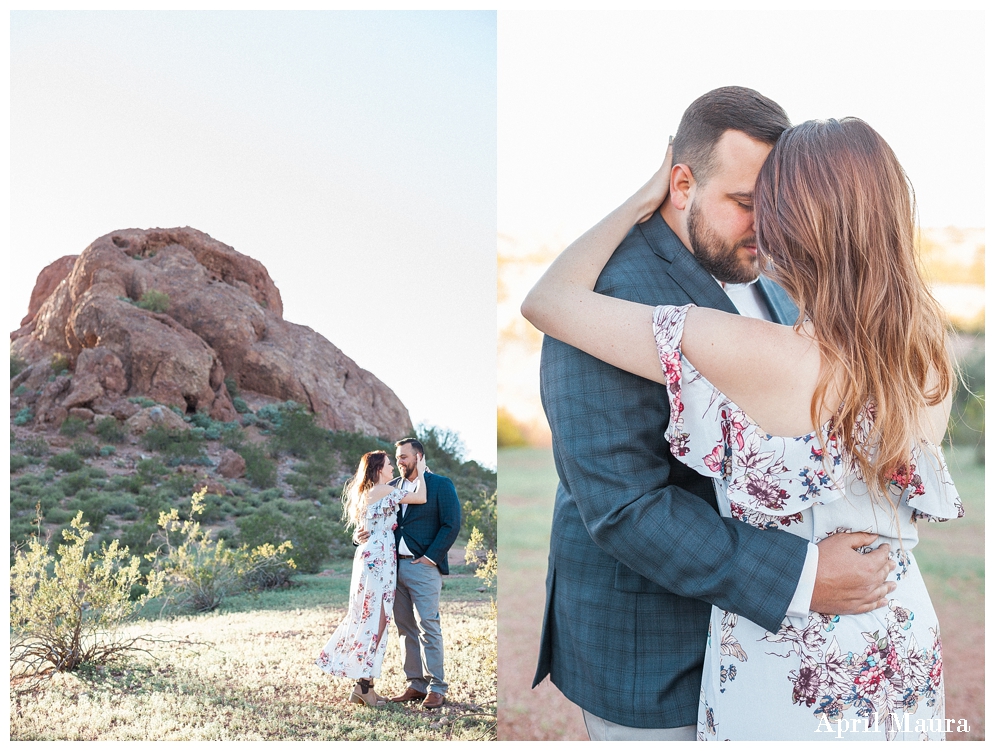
355,490
835,223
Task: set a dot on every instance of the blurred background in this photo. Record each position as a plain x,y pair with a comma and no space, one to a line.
587,101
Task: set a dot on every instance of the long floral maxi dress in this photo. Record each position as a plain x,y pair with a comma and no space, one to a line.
877,675
354,650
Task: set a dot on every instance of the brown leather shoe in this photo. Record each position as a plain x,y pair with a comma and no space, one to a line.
433,700
409,694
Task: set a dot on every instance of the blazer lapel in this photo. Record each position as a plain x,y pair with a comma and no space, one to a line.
781,307
684,269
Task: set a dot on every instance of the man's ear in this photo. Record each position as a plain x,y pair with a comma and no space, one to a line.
681,182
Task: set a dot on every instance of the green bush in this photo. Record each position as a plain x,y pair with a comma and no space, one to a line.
85,447
56,515
232,385
16,365
35,447
260,470
67,610
155,301
109,430
313,535
240,405
106,451
480,513
67,462
74,482
232,436
21,390
200,571
180,446
18,462
150,470
24,416
72,427
142,401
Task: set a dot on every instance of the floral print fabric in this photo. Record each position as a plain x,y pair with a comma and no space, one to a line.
872,676
354,651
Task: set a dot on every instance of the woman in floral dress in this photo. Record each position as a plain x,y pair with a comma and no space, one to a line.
357,647
853,401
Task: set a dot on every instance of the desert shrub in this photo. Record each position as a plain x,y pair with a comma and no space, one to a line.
60,364
200,571
232,436
139,536
93,508
232,386
57,515
155,301
18,462
155,439
17,364
248,419
72,427
74,482
240,405
299,434
311,477
480,514
67,462
313,535
260,470
106,451
36,447
179,446
85,447
109,430
21,390
67,610
268,567
150,470
351,446
142,401
24,416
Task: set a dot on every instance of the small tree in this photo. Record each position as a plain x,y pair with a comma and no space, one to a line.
68,610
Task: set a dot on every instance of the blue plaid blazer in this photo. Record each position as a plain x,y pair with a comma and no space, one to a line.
431,528
638,550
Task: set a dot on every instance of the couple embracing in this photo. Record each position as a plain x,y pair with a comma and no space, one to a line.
404,528
742,467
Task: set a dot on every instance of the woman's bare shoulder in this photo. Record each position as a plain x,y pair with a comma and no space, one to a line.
378,492
768,369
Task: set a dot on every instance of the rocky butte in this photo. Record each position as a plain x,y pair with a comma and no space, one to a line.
223,319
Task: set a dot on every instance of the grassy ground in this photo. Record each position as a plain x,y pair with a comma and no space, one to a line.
950,555
249,674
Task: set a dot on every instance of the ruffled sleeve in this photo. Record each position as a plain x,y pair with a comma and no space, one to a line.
696,435
930,489
386,504
769,480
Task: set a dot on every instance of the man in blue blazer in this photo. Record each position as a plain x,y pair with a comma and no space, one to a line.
423,536
638,551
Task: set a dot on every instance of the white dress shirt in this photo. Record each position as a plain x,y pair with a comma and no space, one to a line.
749,302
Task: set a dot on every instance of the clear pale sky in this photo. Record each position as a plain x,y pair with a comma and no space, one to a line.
587,100
354,154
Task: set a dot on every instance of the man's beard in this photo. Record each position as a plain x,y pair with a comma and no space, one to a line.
408,472
717,258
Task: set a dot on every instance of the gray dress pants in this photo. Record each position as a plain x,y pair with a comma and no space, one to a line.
416,613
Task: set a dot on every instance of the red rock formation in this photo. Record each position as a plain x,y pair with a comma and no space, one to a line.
224,318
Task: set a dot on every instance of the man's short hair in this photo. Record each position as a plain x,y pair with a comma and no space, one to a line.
415,444
712,114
